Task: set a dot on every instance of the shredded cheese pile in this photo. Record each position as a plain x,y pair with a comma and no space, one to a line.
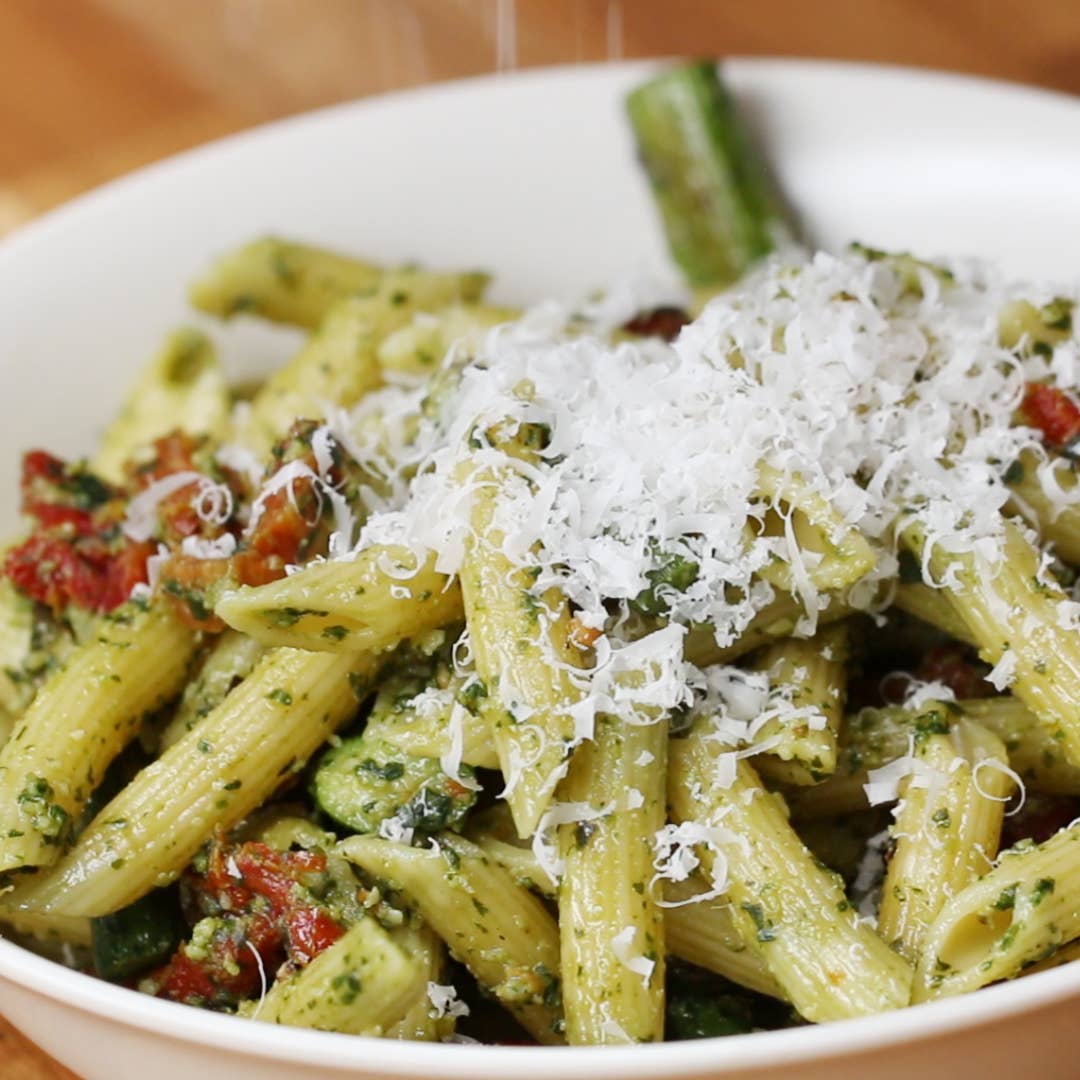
822,367
886,393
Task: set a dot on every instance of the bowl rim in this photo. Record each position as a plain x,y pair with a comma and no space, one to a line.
838,1039
835,1040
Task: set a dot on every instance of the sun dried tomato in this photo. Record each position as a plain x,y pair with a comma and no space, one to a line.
1053,412
78,553
172,453
56,494
662,322
958,668
261,902
1039,818
49,570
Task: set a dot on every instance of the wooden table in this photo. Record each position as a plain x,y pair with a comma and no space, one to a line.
92,88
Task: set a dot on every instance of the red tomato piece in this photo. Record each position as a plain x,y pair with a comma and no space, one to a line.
1039,818
1053,412
662,322
49,570
259,895
954,666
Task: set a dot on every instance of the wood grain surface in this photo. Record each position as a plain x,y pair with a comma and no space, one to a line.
92,88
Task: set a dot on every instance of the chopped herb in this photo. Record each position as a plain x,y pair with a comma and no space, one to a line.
534,436
1058,314
583,831
1014,473
49,819
1007,900
930,723
391,770
1009,937
531,605
676,575
1043,888
471,693
200,610
766,931
290,616
347,987
86,490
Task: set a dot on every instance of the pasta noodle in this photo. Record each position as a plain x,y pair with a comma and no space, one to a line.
946,832
794,913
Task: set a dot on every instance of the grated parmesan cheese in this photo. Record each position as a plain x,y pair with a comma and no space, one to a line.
622,945
450,759
140,521
1003,674
675,858
220,548
859,391
393,828
445,1002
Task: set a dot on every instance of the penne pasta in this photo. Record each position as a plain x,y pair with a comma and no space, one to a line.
182,388
834,555
364,984
420,346
610,922
777,620
827,962
932,607
1057,519
521,647
948,826
227,662
1015,916
259,736
702,930
82,718
811,675
497,929
367,604
1019,618
282,281
339,363
422,1020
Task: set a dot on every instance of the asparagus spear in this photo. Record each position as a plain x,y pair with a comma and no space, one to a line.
719,208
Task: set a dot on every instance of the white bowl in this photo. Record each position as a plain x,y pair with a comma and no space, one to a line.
533,177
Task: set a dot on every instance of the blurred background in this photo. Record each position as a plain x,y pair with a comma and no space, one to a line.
92,88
